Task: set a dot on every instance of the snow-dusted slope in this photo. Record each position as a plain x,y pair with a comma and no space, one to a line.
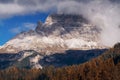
59,32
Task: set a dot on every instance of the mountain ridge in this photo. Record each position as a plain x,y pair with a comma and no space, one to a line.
60,32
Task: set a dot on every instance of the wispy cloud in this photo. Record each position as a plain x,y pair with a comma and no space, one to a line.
16,30
24,27
29,26
20,7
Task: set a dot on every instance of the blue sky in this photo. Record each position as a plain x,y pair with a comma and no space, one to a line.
22,15
11,26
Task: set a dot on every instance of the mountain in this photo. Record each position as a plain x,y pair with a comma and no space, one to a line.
59,33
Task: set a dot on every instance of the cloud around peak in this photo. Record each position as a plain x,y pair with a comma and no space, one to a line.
20,7
23,27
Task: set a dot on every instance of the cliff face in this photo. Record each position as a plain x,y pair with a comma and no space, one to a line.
59,33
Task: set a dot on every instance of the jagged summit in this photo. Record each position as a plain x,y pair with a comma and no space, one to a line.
60,32
60,24
63,18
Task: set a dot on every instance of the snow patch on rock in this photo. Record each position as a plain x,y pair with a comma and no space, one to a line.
34,61
26,54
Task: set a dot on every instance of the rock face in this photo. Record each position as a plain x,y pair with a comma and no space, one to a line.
23,59
59,33
31,59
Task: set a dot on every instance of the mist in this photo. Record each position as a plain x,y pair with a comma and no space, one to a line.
104,14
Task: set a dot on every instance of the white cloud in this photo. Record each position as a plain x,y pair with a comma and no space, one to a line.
7,10
16,30
102,13
21,7
24,27
31,26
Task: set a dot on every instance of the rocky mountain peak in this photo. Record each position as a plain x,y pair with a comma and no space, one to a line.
63,18
60,24
49,20
60,32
